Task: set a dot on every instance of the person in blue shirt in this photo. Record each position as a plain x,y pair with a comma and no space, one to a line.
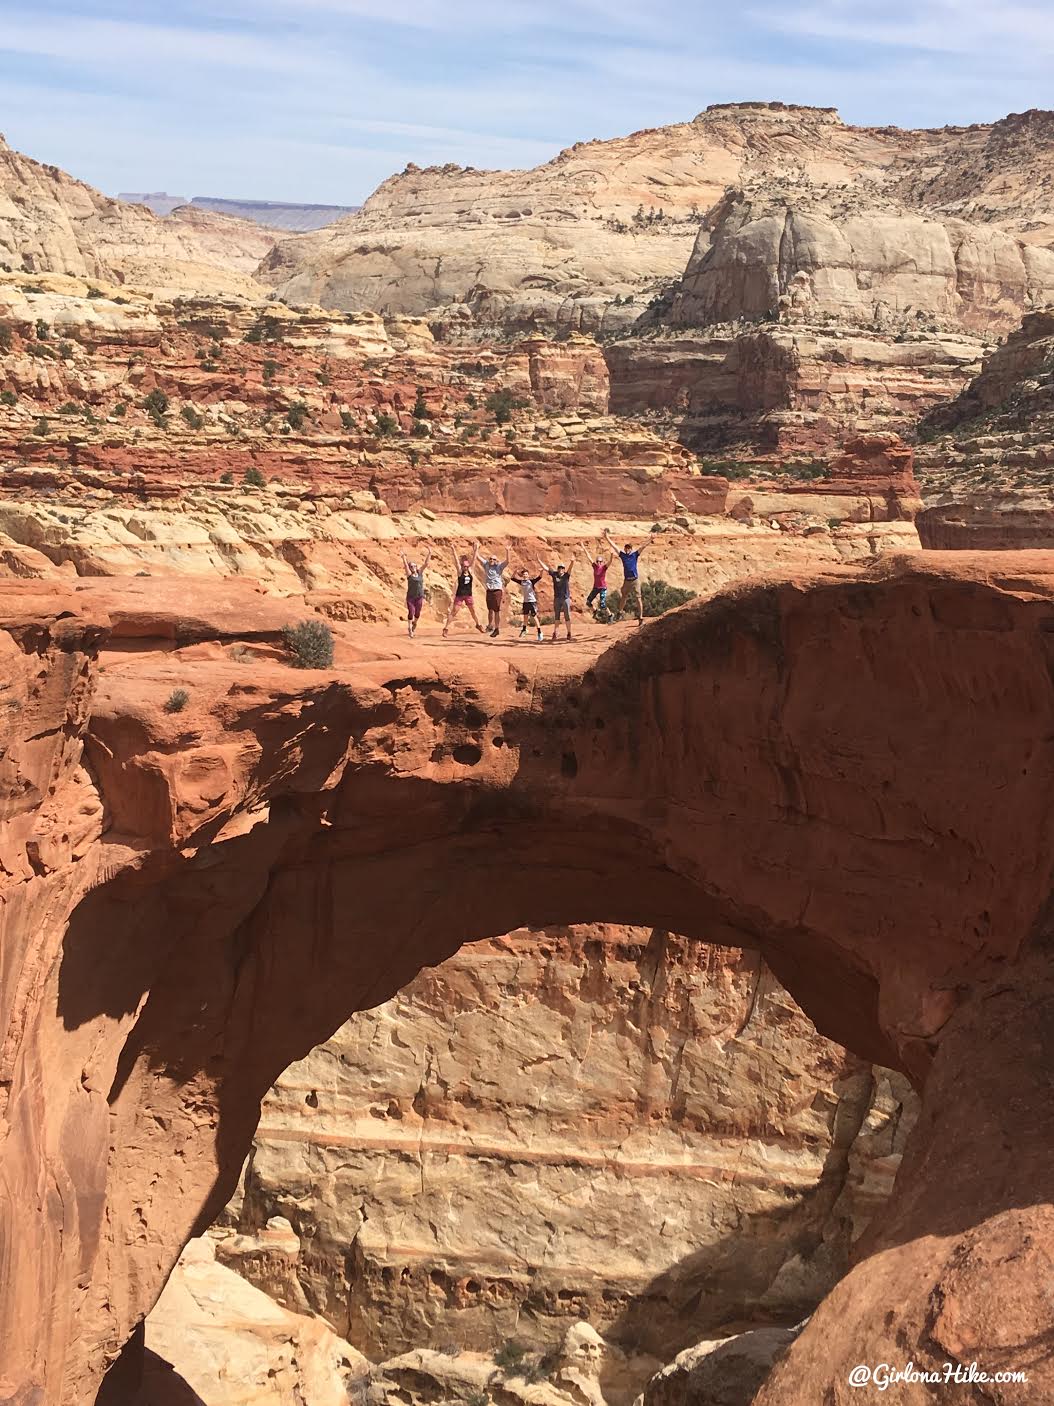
630,558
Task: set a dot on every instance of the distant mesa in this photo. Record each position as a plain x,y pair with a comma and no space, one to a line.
275,214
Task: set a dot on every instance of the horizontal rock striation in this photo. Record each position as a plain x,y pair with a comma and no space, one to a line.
602,1123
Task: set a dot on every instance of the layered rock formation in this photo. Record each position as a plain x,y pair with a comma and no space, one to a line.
195,895
129,428
568,243
52,223
604,1124
815,253
988,456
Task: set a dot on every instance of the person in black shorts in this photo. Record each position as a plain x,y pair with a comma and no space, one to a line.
561,579
464,566
527,586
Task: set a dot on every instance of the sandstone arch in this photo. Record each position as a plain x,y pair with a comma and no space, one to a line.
852,773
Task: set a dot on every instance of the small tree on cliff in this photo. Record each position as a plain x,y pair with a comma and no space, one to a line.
421,410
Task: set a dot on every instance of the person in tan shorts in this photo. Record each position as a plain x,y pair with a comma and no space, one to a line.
630,558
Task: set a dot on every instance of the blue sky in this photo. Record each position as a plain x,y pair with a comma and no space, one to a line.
319,100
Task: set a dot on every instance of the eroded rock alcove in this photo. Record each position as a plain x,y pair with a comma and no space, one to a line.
851,774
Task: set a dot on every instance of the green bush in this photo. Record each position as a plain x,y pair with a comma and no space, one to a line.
501,404
193,419
296,415
269,370
69,408
421,410
177,700
96,293
156,405
5,339
266,329
8,398
42,427
121,408
386,426
347,419
658,597
254,478
43,331
310,643
226,476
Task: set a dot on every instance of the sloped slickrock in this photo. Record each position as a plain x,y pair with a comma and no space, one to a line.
726,1372
234,1346
52,223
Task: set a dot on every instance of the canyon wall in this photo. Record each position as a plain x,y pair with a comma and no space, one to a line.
600,1123
986,457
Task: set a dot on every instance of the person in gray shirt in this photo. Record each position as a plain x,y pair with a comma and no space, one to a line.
494,580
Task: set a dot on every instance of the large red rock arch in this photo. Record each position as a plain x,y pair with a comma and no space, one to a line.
854,774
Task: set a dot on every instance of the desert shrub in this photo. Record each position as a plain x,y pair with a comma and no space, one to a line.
121,408
386,425
8,398
450,1349
270,369
537,1370
96,293
310,644
478,1398
658,597
348,421
501,404
70,407
420,430
66,350
5,339
177,700
266,329
43,331
296,415
254,478
510,1355
421,410
323,378
193,419
156,405
808,472
226,476
42,427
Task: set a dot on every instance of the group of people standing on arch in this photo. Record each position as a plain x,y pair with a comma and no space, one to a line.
492,572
